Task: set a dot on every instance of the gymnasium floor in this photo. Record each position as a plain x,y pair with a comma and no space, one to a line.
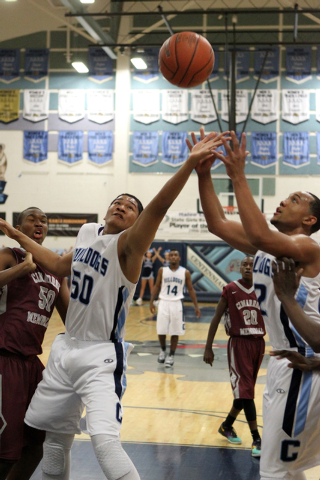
171,416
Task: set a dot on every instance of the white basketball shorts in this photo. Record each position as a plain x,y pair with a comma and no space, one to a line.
291,421
170,318
81,374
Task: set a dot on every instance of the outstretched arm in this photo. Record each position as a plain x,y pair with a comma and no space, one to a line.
230,231
137,239
59,266
192,294
208,355
300,247
157,254
155,291
286,282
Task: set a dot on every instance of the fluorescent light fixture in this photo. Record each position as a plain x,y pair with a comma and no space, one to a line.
11,0
139,63
86,1
80,67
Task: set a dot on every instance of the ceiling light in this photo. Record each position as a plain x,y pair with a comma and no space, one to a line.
139,63
80,67
11,0
86,1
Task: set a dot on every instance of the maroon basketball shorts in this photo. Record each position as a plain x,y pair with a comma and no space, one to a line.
244,357
18,381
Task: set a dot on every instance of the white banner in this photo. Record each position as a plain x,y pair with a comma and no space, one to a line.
100,105
146,106
202,109
177,222
175,106
265,106
71,105
295,106
242,106
318,104
35,105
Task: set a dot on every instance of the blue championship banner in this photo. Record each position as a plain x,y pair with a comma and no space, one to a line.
36,64
298,64
263,149
296,149
100,147
150,56
242,65
145,148
318,148
35,146
9,65
174,148
215,72
70,147
271,65
100,65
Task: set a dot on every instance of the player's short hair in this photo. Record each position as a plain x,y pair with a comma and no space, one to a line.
246,256
140,206
314,207
24,213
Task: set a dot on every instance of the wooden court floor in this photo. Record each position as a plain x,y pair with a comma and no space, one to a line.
171,416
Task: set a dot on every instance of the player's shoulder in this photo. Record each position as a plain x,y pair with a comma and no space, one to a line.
90,229
7,258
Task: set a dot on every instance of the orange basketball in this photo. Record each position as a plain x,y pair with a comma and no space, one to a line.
186,59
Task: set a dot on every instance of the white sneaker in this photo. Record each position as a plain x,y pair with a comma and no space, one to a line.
139,301
162,356
169,361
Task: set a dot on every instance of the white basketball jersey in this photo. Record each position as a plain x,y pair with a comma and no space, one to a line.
172,283
100,294
281,332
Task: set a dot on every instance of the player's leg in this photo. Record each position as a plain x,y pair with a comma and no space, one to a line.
113,460
142,289
31,454
162,354
249,408
14,387
226,428
56,456
162,328
101,394
176,328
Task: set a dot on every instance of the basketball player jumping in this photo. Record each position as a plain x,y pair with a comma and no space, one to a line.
87,364
291,406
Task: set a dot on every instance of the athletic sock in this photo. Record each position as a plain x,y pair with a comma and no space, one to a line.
172,353
163,348
229,421
255,435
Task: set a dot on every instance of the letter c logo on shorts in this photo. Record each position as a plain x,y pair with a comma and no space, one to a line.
279,390
108,360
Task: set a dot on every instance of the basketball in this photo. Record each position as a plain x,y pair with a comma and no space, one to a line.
186,59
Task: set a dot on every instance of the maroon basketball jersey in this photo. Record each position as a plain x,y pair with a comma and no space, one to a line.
243,316
26,305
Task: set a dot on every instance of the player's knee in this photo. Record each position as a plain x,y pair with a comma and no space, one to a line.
112,459
56,449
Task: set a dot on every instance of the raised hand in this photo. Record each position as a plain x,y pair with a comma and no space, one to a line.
285,278
235,159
